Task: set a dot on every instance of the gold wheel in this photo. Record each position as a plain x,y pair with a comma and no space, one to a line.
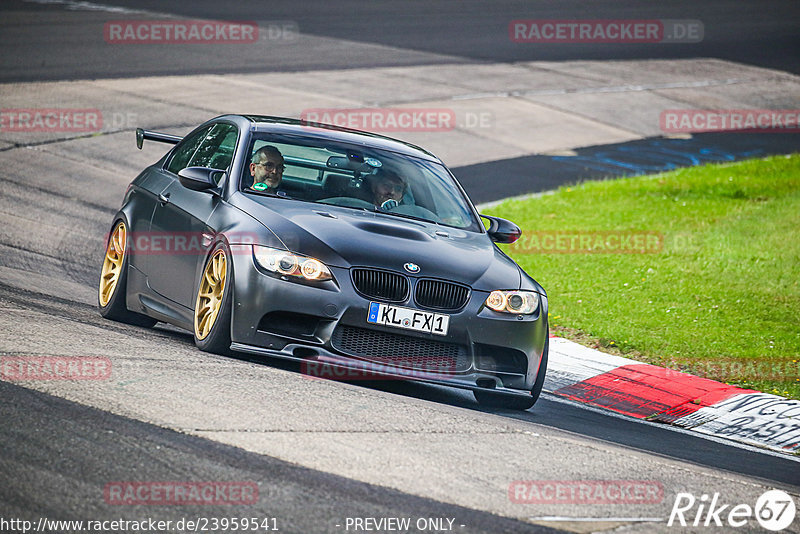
112,264
209,296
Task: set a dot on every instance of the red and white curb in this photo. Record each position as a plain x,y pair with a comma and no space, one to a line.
662,395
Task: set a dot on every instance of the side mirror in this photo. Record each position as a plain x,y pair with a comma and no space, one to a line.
199,178
501,230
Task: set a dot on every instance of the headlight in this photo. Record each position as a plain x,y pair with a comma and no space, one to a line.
520,302
287,263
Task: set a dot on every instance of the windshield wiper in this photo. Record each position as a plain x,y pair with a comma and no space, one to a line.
268,194
359,208
404,215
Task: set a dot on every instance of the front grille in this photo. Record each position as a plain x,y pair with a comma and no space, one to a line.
381,285
441,295
400,350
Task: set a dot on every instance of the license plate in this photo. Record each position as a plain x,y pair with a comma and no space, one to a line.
408,318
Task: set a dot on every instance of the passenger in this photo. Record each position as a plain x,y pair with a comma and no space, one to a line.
387,189
267,169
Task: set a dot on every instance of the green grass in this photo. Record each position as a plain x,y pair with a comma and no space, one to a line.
720,299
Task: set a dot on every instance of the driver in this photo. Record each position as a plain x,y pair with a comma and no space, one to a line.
388,189
267,169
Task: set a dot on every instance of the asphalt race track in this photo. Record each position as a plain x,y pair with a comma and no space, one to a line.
113,447
358,34
323,451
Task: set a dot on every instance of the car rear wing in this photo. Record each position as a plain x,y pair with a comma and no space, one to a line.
142,134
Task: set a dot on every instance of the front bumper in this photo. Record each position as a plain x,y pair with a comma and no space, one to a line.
305,323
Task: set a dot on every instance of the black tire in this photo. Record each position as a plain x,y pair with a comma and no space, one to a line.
512,402
218,339
116,309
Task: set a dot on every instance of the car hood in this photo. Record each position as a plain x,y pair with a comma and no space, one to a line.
344,237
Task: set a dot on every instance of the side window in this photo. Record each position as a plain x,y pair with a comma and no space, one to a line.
216,150
185,151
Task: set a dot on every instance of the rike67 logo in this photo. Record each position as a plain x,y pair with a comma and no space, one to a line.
774,510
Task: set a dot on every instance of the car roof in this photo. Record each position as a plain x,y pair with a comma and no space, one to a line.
284,125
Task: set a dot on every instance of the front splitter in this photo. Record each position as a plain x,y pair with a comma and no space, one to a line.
368,370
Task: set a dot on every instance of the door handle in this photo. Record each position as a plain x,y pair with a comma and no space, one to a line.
163,198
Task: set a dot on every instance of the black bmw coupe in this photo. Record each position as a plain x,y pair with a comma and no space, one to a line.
333,247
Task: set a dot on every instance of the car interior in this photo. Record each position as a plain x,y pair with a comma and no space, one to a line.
341,176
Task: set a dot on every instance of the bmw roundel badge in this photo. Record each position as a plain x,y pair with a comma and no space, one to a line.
411,267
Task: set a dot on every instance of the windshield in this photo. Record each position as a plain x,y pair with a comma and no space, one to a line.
349,176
